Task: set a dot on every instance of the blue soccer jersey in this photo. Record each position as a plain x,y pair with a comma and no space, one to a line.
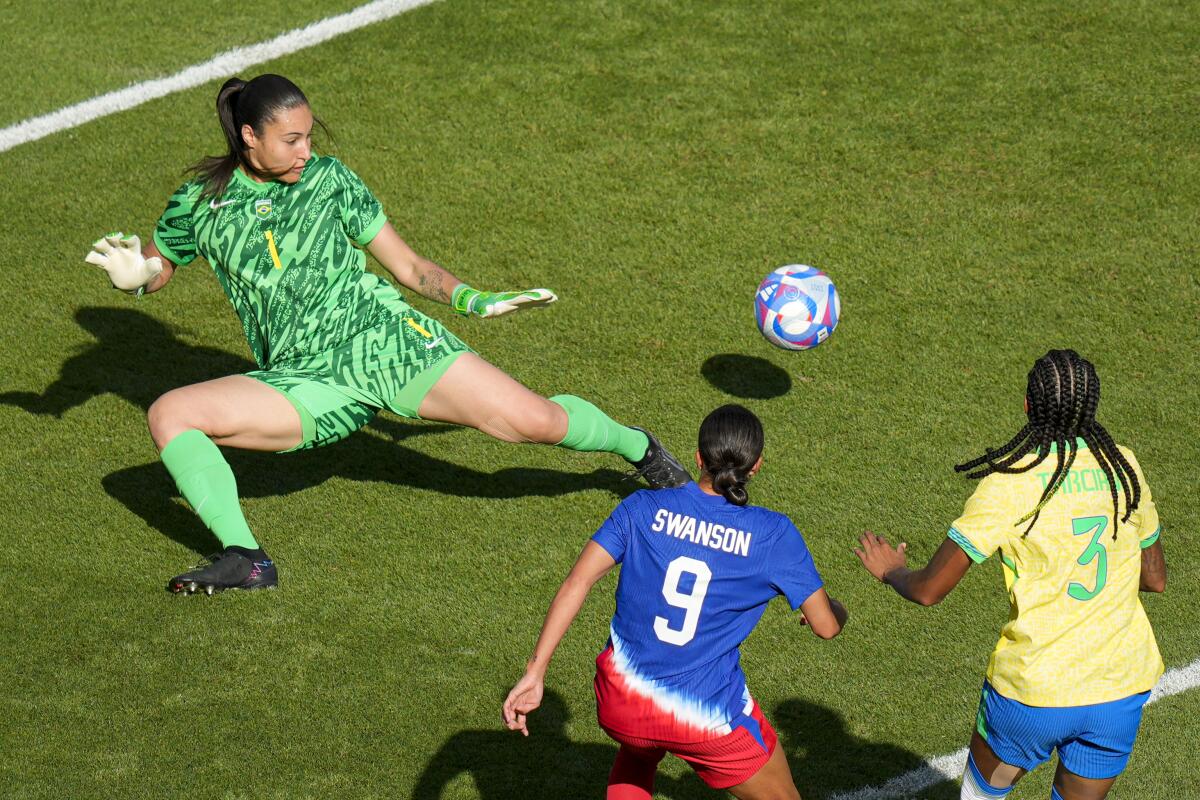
697,573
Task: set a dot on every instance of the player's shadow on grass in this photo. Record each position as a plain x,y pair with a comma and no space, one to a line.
371,455
546,764
138,358
828,761
747,377
135,357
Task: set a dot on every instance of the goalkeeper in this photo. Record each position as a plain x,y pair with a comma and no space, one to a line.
282,229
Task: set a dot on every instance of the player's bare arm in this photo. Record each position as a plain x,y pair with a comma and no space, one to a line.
411,270
927,586
437,283
593,564
1154,569
825,615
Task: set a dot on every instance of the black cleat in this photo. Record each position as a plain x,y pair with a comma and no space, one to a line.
658,467
226,570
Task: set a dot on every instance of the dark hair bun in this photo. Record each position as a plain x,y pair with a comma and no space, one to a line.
731,483
731,442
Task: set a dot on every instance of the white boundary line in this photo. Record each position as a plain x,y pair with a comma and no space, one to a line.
220,66
950,766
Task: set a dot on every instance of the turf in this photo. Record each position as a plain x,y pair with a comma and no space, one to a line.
983,181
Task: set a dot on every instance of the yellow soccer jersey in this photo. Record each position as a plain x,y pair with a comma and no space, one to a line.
1077,633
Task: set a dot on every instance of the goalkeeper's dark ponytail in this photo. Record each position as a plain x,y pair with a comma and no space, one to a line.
254,103
731,441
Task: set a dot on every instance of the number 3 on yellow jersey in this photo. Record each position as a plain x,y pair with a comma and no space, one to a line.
1081,526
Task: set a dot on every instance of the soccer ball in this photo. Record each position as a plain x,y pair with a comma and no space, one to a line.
797,307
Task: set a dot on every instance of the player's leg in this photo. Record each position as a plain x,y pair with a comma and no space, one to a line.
772,782
475,393
418,368
234,411
1069,786
633,771
187,424
986,776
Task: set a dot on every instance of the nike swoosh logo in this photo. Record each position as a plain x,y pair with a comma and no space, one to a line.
214,205
433,344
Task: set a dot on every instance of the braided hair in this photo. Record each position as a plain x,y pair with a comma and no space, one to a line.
731,441
1061,397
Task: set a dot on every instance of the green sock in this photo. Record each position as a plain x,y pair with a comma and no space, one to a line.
589,429
206,481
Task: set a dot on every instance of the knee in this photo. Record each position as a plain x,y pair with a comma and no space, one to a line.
543,422
169,416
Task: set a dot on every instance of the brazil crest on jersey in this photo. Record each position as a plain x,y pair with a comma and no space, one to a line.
285,256
1077,634
696,575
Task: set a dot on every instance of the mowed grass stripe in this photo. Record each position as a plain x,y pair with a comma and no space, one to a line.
222,65
58,54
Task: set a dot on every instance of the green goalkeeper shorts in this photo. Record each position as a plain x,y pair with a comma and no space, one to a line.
392,366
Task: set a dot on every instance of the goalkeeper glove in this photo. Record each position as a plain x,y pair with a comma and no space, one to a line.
467,301
121,257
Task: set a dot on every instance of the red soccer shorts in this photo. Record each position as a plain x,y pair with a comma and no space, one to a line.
721,762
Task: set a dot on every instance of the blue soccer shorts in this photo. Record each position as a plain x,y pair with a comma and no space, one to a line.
1093,741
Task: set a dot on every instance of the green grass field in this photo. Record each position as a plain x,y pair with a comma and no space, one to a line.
984,182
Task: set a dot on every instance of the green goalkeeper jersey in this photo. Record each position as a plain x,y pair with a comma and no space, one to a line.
285,255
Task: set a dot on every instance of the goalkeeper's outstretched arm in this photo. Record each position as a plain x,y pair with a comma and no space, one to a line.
437,283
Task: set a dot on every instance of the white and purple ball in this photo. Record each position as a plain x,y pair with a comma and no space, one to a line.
797,307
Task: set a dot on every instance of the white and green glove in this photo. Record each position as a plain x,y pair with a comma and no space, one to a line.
467,301
121,257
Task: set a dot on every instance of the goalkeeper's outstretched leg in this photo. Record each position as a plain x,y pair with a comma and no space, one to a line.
475,393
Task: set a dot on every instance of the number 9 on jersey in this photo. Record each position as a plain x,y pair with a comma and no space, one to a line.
690,601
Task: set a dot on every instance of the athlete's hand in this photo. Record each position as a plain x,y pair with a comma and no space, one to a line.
524,697
121,257
878,556
466,301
